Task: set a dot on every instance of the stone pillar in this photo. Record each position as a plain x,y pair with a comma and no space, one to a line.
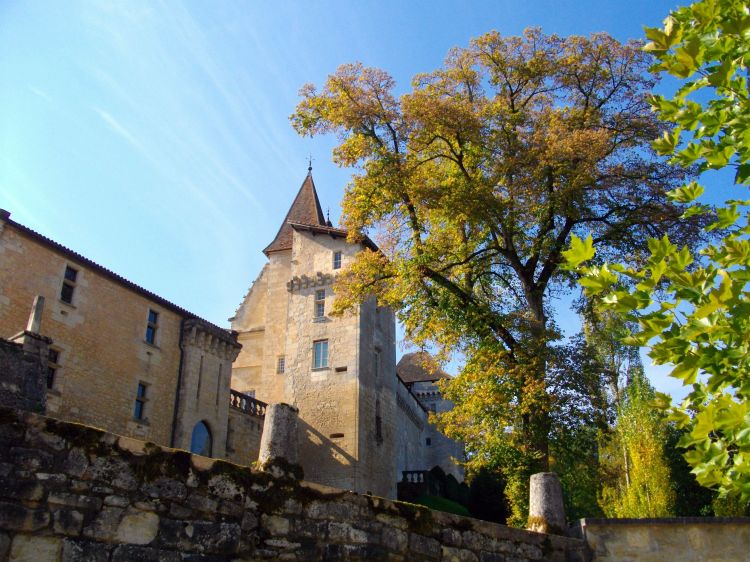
546,509
35,318
279,437
23,372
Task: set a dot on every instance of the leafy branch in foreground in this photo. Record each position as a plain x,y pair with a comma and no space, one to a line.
700,323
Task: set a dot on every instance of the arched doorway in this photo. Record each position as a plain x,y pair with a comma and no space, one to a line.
200,442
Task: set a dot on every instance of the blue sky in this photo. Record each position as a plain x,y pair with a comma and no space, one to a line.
153,137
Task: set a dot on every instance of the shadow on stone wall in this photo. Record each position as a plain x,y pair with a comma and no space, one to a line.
71,492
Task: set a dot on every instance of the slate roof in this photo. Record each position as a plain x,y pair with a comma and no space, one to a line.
306,214
305,210
419,367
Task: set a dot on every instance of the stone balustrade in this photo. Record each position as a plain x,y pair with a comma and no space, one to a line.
414,476
247,404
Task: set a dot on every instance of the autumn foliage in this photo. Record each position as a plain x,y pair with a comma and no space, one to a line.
472,183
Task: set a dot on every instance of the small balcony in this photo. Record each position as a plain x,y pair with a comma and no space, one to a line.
247,404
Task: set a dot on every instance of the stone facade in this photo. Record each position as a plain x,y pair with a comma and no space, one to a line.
419,373
133,363
23,364
346,408
104,362
687,539
72,493
353,432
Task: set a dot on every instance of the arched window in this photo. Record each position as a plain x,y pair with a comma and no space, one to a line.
200,442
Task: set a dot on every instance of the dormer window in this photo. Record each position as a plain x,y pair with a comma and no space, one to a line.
336,260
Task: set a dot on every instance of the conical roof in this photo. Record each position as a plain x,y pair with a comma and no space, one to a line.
304,210
419,367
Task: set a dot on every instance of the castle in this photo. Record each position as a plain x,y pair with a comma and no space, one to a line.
128,361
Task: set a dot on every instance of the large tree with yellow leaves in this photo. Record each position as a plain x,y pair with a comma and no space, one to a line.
474,181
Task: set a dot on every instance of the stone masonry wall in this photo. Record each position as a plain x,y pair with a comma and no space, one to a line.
70,492
243,437
22,378
99,339
687,539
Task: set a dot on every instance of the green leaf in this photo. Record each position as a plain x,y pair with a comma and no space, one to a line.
598,279
687,370
579,251
681,259
679,417
661,247
662,401
687,193
668,142
726,217
732,416
743,173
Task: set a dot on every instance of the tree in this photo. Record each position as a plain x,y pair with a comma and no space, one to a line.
593,380
693,309
474,181
636,475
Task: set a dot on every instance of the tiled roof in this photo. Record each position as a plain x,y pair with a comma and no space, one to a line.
304,210
306,214
419,367
109,274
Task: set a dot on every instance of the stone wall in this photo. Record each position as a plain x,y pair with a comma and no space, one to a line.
99,337
243,437
347,409
70,492
441,450
23,375
687,539
411,421
103,357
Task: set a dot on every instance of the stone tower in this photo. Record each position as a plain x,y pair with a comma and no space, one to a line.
339,371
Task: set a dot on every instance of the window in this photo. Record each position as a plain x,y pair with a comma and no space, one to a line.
280,365
378,424
140,402
320,303
428,441
200,441
53,364
151,326
68,285
320,354
336,260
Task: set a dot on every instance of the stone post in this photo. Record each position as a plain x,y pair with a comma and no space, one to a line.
35,318
279,437
546,509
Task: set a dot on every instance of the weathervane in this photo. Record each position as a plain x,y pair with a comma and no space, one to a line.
309,163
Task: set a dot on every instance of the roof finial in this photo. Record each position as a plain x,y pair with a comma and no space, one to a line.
328,217
309,164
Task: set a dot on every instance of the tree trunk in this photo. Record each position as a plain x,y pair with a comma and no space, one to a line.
539,420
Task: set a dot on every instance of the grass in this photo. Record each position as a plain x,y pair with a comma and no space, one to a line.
442,504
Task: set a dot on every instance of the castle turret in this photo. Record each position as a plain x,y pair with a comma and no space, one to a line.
338,371
304,210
